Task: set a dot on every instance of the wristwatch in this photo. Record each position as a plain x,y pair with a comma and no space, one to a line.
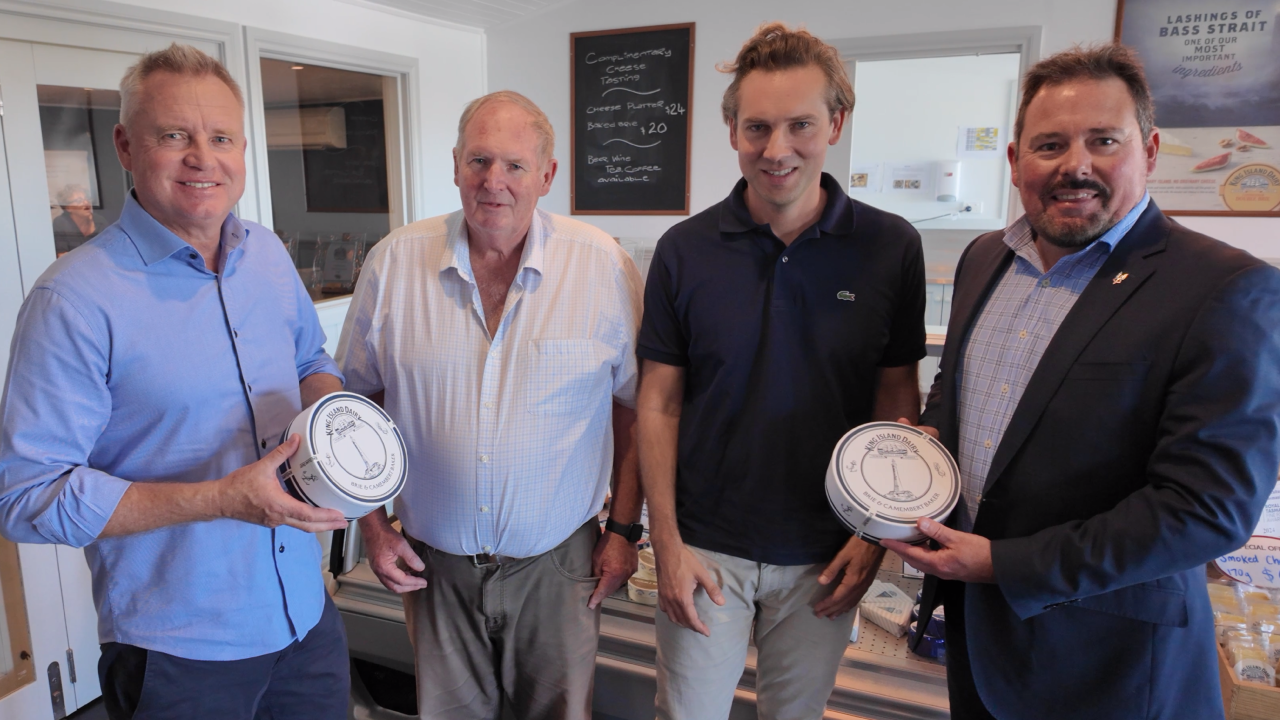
632,532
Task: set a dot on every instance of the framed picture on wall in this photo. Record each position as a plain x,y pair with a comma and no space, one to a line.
1214,71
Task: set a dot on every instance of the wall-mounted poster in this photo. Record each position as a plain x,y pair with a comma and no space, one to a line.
1214,71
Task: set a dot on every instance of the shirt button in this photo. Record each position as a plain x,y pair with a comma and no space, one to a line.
1004,389
281,548
1045,282
250,387
235,333
484,458
488,548
786,259
986,444
484,508
1022,334
489,405
264,443
192,256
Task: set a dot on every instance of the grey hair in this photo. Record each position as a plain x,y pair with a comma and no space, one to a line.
69,193
179,60
537,120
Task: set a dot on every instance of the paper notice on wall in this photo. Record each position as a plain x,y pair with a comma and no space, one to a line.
978,143
913,178
864,178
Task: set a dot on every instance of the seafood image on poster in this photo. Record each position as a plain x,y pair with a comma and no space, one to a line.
1214,72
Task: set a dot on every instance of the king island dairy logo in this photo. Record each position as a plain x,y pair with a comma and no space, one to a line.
892,467
1252,188
354,444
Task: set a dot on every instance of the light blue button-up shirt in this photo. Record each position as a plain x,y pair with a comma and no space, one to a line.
510,437
132,362
1007,340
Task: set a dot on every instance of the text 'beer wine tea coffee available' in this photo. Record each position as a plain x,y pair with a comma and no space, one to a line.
351,458
884,476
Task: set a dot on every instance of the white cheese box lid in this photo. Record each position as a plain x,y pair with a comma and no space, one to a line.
884,476
352,457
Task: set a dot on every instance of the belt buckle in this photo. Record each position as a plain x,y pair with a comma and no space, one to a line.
484,560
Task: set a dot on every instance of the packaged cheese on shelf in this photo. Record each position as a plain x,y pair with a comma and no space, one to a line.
1237,641
1225,622
888,606
648,567
1251,665
1272,644
1264,617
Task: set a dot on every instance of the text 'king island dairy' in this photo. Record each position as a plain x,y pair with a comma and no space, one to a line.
884,476
352,457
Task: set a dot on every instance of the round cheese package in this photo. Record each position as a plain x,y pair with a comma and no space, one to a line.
884,476
351,458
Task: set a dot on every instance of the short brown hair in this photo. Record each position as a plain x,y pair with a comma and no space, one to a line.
537,120
776,47
179,60
1094,62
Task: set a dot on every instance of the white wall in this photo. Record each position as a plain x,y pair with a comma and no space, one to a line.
532,56
891,127
451,66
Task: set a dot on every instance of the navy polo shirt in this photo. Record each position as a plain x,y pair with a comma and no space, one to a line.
780,346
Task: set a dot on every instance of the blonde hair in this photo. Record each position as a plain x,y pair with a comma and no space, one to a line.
537,120
179,60
776,47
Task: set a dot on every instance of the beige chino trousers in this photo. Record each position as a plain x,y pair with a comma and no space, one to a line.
797,652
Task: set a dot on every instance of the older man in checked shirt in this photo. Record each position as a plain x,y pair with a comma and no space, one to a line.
502,341
1109,388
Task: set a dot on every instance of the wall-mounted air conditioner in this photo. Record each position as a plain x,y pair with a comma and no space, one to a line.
308,128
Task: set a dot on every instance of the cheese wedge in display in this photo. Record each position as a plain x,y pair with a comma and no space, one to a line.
1169,145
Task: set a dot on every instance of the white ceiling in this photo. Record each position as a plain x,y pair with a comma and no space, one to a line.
471,13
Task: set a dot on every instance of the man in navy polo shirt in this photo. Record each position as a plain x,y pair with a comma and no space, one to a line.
774,322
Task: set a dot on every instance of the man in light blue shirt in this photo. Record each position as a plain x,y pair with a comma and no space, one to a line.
152,372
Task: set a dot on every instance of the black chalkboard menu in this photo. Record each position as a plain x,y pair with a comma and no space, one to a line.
352,179
632,96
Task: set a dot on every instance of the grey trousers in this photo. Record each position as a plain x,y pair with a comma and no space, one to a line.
797,652
517,633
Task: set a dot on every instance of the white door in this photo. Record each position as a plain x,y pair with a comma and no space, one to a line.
58,114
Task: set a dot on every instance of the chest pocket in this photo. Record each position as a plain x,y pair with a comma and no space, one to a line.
565,376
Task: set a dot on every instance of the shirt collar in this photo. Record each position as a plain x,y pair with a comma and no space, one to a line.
837,215
457,254
156,242
1019,234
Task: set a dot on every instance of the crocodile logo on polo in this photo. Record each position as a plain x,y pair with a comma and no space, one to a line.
845,295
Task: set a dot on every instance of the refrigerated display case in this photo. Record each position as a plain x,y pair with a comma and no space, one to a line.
878,678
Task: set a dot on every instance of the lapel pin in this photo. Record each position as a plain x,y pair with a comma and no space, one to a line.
1119,278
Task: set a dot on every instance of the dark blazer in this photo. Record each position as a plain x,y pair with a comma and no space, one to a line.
1145,445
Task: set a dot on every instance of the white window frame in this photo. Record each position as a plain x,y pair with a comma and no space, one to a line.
403,167
1024,40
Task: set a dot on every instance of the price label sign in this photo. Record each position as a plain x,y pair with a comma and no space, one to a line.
1257,563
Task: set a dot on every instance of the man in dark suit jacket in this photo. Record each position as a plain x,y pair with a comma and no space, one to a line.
1110,387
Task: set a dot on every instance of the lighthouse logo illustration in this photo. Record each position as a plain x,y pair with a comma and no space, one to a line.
357,447
895,472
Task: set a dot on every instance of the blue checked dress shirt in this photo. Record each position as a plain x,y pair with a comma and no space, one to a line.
132,362
1007,339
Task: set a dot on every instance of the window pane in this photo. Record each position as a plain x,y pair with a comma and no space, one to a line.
87,185
327,155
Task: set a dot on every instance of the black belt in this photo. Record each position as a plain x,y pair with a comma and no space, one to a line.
484,559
